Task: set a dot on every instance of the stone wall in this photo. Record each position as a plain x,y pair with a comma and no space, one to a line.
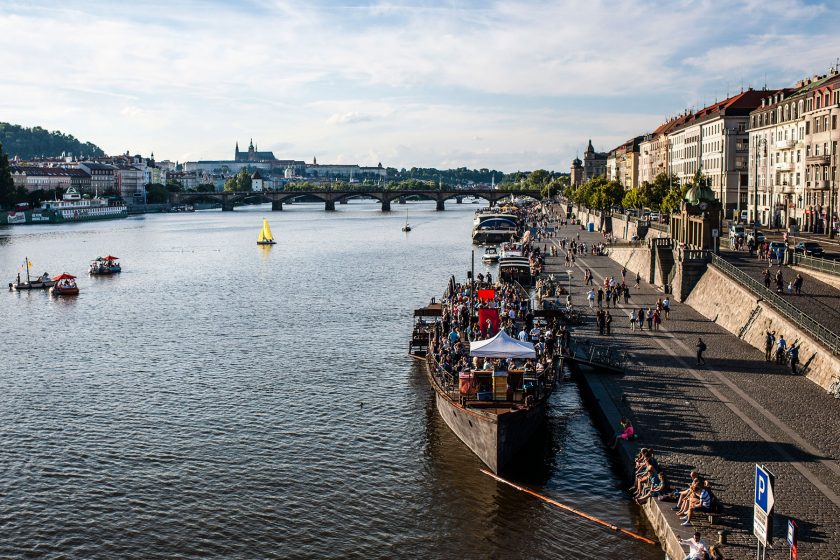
721,299
634,259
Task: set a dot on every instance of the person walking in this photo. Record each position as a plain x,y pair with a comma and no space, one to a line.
638,280
701,347
797,285
608,322
666,307
640,316
591,297
793,353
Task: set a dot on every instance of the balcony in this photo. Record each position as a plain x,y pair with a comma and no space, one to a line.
785,144
817,160
822,184
784,166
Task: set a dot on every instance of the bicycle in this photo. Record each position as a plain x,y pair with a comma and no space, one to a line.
834,388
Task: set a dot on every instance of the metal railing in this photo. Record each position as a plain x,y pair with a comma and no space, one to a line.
816,263
827,337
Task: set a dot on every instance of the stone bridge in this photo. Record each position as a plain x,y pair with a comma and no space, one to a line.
277,198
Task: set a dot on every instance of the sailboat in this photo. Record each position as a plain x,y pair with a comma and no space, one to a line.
265,237
406,227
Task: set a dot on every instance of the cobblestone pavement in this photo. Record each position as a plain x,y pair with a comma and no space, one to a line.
819,301
723,418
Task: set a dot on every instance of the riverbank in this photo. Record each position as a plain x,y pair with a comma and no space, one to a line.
720,419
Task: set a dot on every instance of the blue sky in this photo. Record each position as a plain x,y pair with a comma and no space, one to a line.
511,85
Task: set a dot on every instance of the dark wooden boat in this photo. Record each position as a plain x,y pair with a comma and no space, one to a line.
495,425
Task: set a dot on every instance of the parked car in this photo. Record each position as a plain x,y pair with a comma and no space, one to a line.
654,217
757,237
737,231
810,248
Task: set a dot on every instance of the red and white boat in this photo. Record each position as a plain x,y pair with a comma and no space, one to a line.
65,285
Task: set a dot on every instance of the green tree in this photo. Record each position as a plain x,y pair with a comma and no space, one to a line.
633,199
8,195
156,193
241,182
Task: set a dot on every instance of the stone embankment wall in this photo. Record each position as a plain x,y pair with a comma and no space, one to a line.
634,259
735,308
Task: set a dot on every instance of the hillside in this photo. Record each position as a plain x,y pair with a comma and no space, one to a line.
27,143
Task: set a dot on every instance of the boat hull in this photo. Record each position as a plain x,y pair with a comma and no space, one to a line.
266,243
497,439
56,291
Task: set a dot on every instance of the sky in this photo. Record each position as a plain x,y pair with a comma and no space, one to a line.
508,85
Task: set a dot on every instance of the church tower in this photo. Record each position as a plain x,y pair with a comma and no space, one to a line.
236,153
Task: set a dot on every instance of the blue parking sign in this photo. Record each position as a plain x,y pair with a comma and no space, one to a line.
763,489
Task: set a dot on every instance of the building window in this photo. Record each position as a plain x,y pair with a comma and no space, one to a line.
833,122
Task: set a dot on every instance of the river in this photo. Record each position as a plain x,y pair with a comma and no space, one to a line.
220,399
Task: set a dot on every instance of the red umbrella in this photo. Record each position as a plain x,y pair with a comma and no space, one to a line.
110,258
63,276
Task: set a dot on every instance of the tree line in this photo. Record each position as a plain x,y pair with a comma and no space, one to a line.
28,143
664,194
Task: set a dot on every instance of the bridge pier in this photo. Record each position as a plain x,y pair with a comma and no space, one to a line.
402,200
386,205
227,205
276,206
439,206
329,205
459,200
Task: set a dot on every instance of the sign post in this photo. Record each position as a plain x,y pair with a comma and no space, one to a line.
792,538
763,508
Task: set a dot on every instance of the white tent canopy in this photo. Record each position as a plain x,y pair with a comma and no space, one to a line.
502,346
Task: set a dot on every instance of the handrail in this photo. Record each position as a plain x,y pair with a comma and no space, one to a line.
827,337
817,263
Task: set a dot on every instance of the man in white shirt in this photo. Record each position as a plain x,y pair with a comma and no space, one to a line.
523,335
591,297
697,547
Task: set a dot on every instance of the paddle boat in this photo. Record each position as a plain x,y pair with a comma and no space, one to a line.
65,285
105,265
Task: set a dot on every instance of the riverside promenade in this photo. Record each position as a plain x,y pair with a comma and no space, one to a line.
719,419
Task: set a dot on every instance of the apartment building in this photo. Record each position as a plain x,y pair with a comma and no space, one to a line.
793,140
715,141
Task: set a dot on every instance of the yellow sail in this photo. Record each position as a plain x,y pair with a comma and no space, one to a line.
265,233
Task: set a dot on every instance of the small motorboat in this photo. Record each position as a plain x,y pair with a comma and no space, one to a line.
41,283
105,265
65,285
266,238
490,255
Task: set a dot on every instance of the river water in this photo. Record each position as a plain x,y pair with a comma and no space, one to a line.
220,399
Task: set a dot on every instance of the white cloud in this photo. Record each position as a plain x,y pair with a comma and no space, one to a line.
351,117
512,82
